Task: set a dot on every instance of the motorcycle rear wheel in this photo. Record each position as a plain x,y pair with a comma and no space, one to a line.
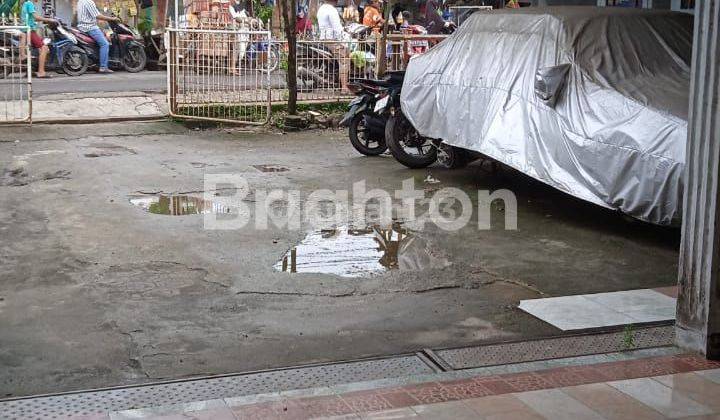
401,136
135,58
361,138
75,61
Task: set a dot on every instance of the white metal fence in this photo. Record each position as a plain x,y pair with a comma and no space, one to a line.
235,75
220,75
15,74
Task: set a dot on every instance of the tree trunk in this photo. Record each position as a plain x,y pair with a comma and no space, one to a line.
288,10
382,45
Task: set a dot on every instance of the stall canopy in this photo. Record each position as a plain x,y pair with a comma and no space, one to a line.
592,101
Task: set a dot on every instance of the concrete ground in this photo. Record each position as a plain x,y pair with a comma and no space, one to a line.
96,292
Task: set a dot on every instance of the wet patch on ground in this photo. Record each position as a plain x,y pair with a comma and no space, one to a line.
347,251
270,168
18,177
108,149
178,205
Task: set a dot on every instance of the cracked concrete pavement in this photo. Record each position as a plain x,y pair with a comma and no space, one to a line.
96,292
99,105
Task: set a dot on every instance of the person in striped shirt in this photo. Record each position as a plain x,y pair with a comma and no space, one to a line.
87,19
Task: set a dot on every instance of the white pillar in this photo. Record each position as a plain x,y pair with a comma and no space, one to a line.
698,307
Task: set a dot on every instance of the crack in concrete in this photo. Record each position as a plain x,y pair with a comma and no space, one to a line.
356,292
155,192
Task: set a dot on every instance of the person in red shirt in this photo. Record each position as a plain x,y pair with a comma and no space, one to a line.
303,24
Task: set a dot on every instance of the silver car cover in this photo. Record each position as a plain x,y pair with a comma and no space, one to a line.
592,101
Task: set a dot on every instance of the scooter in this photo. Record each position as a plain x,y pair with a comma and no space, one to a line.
126,48
317,67
366,116
155,49
64,55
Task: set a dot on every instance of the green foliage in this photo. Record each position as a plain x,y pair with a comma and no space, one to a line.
629,337
283,61
262,11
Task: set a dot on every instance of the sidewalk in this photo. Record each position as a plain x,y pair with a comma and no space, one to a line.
681,386
96,106
678,386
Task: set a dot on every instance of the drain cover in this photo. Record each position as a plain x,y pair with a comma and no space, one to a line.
94,402
558,347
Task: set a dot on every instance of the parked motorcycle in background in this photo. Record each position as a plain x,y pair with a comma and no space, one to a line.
65,56
413,150
368,113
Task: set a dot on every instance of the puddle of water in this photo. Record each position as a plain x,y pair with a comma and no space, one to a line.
350,252
178,205
270,168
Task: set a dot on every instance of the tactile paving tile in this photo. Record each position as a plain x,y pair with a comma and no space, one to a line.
558,347
93,402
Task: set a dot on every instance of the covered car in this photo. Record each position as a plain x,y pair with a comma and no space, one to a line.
592,101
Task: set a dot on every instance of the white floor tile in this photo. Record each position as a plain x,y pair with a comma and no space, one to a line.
632,300
557,405
661,398
573,313
710,375
602,309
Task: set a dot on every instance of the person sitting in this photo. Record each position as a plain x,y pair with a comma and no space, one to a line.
28,16
372,17
87,18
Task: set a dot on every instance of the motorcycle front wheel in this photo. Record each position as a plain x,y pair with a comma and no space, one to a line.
272,60
135,58
406,144
75,61
361,138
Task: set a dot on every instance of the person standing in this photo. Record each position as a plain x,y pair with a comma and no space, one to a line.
29,16
303,25
87,17
372,17
331,28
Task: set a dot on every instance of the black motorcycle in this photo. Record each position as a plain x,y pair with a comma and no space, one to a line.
367,114
413,150
317,67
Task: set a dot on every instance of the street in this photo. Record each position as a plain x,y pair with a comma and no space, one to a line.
145,81
102,288
120,81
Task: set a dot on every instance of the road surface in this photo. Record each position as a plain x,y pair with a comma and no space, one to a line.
146,81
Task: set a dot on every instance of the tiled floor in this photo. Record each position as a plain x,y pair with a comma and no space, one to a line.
680,386
581,312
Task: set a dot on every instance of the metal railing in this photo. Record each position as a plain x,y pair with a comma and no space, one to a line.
220,75
325,66
234,75
15,74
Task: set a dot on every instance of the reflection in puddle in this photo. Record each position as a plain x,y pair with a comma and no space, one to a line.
350,252
178,205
